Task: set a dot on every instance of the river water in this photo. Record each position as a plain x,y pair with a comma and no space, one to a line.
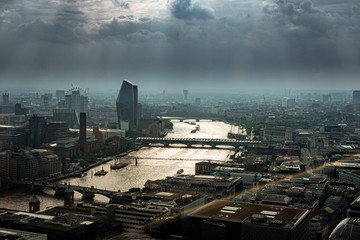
153,163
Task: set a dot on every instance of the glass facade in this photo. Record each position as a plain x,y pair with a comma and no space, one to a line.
126,106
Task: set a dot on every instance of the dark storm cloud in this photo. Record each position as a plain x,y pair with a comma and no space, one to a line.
240,38
50,32
184,9
64,26
310,35
123,29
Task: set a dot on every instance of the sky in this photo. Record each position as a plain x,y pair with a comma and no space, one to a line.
160,44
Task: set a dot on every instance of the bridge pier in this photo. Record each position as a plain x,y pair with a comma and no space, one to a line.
59,191
87,194
36,188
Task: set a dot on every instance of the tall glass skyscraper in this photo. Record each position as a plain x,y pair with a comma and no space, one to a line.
126,106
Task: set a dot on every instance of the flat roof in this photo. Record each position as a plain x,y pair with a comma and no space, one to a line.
245,210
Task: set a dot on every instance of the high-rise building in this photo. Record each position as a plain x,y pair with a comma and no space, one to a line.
197,101
5,98
288,102
12,135
356,100
185,94
77,102
326,98
60,94
356,97
57,131
82,139
126,106
37,128
66,115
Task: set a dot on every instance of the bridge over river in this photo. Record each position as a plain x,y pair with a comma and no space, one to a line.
87,192
189,142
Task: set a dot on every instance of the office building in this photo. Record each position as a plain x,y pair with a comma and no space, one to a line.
197,101
185,95
214,186
74,222
12,135
82,139
49,163
8,233
5,100
126,106
66,115
356,100
77,102
23,165
326,98
57,131
37,128
288,102
356,97
20,110
60,94
5,165
233,220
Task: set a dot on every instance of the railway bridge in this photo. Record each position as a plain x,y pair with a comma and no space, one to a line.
189,142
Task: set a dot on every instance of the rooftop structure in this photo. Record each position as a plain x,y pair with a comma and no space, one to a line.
230,220
214,186
7,233
12,135
75,222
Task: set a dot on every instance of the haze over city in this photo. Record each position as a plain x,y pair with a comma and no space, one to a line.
180,119
198,44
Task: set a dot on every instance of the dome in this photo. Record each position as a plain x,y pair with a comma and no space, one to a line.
34,200
348,229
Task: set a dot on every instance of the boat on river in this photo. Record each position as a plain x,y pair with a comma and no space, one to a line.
118,165
102,172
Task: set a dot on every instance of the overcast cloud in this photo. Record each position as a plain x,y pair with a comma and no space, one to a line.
243,43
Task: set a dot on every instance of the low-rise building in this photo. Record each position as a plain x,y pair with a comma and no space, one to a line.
12,234
72,222
214,186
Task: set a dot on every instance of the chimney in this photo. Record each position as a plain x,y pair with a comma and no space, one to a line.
82,138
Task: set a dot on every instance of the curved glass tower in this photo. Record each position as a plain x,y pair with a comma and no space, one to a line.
126,106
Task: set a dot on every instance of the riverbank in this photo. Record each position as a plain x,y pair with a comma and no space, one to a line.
78,173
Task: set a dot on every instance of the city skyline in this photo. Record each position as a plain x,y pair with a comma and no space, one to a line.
180,43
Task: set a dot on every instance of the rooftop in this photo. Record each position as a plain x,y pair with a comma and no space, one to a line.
243,211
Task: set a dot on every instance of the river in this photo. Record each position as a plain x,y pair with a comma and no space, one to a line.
153,163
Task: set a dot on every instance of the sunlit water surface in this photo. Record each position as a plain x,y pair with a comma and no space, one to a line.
154,162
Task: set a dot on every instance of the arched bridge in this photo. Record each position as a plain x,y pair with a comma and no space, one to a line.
87,192
189,142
